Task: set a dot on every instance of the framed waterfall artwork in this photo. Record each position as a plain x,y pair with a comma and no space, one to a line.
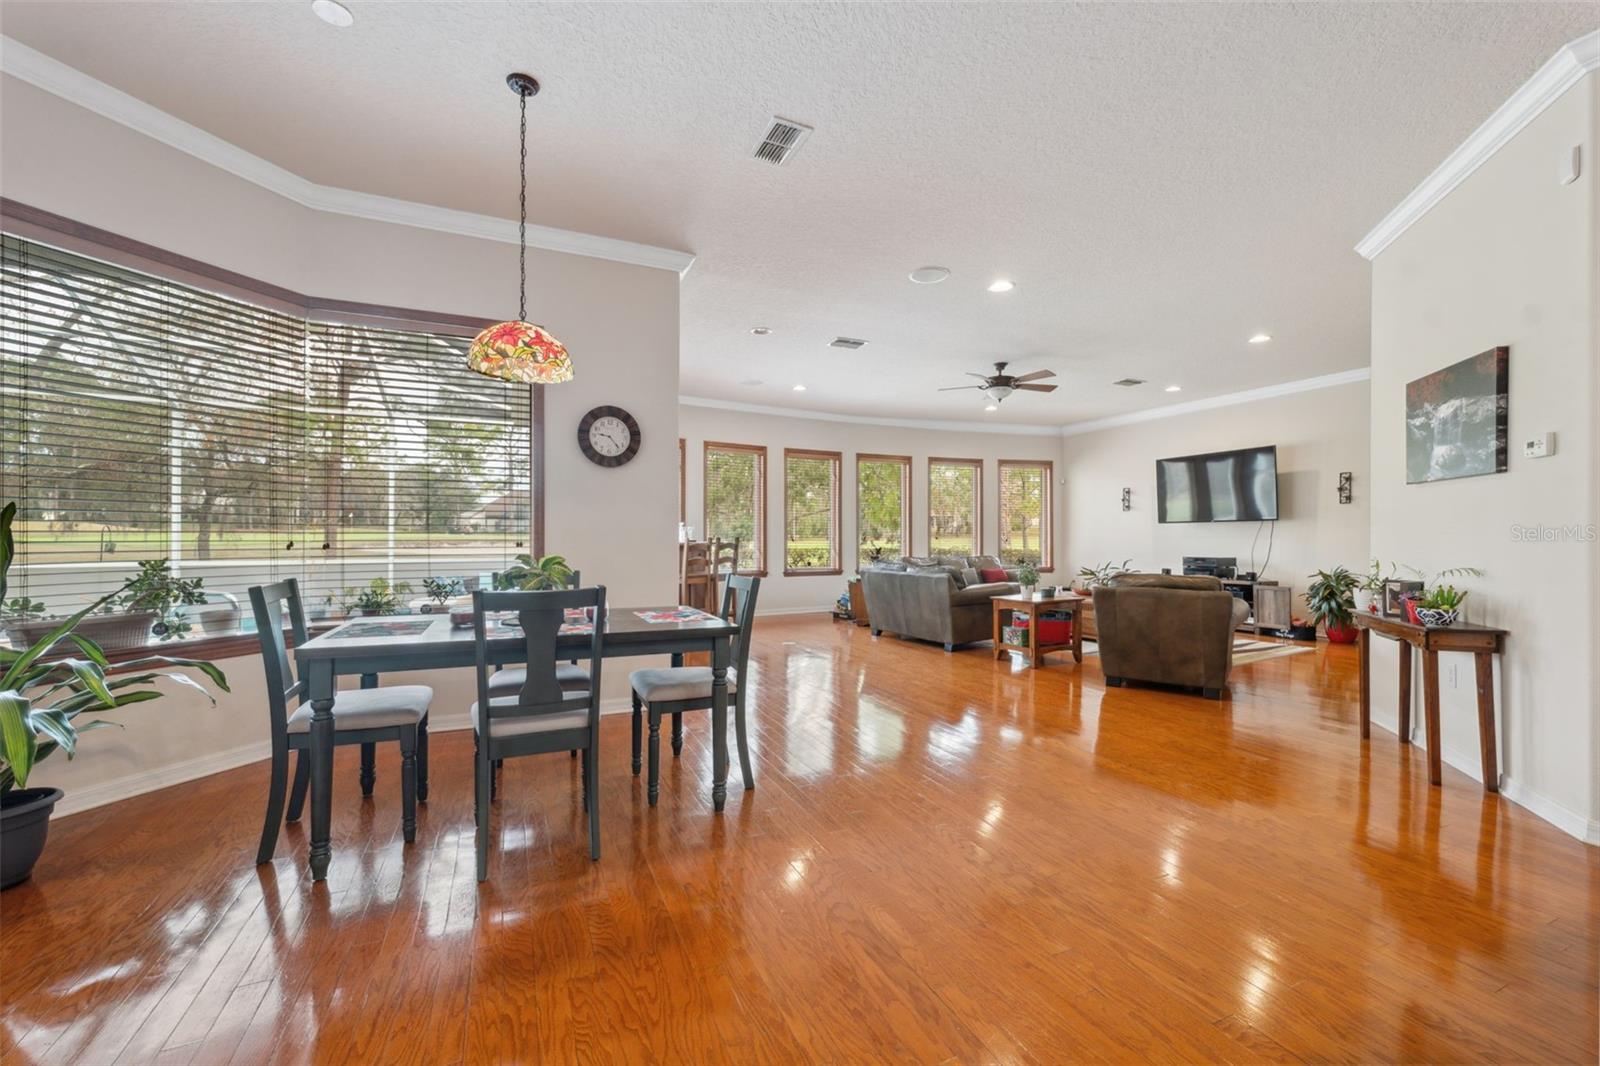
1456,419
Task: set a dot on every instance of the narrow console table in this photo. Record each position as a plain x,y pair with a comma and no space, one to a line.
1482,642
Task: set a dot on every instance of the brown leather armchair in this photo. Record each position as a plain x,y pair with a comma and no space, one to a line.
1167,629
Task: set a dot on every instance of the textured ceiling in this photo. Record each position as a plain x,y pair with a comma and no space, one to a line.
1161,181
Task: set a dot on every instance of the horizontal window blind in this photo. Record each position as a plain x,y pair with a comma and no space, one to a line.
1025,512
736,500
883,507
811,512
146,419
955,506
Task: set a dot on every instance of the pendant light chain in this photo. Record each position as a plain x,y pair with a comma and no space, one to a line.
522,224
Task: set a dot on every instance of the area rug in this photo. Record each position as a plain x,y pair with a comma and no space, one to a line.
1245,651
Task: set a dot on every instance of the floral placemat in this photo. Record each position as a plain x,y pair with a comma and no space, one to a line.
677,614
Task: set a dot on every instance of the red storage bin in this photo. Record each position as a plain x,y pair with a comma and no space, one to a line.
1055,631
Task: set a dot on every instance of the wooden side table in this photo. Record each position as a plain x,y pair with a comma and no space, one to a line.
1033,651
1482,642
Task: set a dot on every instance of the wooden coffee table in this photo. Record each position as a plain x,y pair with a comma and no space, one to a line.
1033,651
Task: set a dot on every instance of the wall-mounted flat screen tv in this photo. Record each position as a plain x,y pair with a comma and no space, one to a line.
1236,486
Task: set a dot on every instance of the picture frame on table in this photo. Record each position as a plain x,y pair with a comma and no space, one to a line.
1394,590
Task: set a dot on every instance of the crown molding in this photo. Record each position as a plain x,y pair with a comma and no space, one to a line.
74,86
1561,72
859,420
1231,399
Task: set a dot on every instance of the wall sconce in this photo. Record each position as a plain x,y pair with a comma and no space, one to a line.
1127,499
1344,486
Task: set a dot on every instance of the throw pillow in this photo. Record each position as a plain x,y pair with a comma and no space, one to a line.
986,562
993,574
969,576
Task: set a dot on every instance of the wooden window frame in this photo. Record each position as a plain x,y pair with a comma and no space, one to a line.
977,498
67,234
760,452
905,500
1047,525
838,504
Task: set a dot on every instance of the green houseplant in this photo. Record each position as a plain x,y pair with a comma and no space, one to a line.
530,574
440,590
157,590
380,596
1440,605
1330,599
1098,575
41,700
1027,576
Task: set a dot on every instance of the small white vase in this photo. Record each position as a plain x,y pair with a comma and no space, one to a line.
1028,591
1363,601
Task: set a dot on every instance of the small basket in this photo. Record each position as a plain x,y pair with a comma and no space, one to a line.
1014,634
1437,616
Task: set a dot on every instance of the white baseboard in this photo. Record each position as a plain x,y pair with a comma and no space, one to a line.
1471,764
130,785
762,612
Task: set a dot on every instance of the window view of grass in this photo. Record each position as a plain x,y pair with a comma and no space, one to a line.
811,522
883,515
953,507
736,499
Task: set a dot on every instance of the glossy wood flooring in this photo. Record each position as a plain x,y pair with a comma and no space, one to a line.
946,859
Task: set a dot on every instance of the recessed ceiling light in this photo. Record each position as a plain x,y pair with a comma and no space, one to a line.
1261,338
333,13
799,388
929,275
761,331
1174,388
1001,285
992,407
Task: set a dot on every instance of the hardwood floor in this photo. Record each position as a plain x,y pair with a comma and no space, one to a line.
946,859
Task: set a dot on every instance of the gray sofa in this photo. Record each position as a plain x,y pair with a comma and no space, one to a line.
934,598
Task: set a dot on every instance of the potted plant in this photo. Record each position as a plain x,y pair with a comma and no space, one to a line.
1090,576
529,574
157,590
1027,576
1330,600
381,596
41,699
440,590
876,553
1440,605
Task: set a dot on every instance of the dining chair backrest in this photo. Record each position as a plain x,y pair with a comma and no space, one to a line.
739,598
725,556
270,604
540,616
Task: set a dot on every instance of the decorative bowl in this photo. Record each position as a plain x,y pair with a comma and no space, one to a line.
1438,616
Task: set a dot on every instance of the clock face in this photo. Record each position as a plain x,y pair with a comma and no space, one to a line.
608,436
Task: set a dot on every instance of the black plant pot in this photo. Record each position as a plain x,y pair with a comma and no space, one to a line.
24,823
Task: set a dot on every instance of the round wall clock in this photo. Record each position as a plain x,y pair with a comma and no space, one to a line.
609,436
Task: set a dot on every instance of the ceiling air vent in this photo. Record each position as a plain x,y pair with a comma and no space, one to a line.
782,141
1129,383
847,342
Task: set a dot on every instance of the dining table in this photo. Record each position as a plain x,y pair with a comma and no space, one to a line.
371,646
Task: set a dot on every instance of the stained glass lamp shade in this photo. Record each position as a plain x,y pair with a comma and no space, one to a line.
520,351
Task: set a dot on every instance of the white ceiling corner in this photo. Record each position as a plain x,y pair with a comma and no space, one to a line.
73,85
1563,70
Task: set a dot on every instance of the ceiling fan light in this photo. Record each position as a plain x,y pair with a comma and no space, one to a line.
999,392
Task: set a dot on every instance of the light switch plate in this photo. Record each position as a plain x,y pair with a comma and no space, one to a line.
1539,445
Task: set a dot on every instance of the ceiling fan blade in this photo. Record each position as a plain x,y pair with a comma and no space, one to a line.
958,388
1036,375
1037,388
980,377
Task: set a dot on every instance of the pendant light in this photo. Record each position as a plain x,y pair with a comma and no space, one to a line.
521,350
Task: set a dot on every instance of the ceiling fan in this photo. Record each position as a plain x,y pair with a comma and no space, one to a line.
999,385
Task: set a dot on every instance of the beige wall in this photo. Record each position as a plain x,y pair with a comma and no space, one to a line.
619,321
1317,433
1507,258
700,424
